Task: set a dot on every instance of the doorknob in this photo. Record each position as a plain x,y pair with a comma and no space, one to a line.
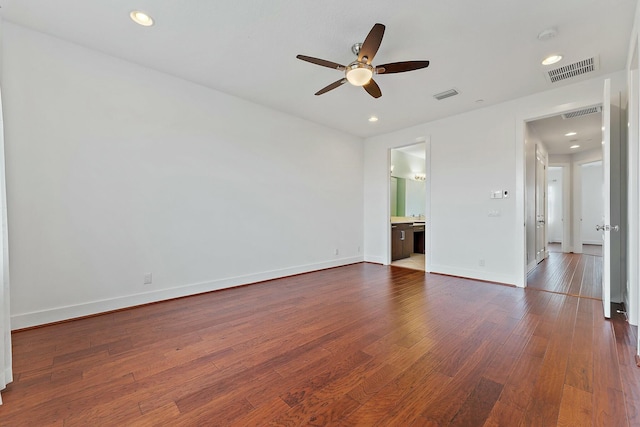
607,227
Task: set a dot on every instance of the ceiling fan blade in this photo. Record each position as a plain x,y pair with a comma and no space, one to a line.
322,62
371,44
401,67
332,86
373,89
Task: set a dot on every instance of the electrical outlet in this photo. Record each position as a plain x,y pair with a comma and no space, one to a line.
337,251
481,262
148,278
358,249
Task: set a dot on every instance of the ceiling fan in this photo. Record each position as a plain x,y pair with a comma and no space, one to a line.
360,71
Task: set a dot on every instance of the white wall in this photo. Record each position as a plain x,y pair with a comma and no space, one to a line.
114,170
472,154
592,204
555,207
416,197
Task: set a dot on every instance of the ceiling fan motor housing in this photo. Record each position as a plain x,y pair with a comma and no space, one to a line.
356,48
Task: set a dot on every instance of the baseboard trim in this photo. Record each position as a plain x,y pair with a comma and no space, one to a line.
473,274
375,259
60,314
592,242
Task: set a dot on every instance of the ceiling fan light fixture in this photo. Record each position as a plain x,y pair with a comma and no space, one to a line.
359,73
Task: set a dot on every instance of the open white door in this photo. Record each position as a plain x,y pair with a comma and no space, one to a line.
606,196
541,206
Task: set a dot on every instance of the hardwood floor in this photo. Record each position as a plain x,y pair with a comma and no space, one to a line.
567,273
358,345
586,249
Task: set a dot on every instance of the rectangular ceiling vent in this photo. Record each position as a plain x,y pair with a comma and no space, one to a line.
582,112
573,70
446,94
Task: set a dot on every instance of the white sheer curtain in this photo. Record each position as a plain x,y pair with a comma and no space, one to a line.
6,373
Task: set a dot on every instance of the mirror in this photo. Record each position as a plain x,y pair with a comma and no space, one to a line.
408,186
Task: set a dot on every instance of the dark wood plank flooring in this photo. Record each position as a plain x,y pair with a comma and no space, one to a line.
357,345
587,249
568,273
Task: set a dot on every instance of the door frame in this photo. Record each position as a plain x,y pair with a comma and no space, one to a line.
521,121
426,140
632,293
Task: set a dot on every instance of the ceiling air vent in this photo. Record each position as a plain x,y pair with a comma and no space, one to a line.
572,70
582,112
446,94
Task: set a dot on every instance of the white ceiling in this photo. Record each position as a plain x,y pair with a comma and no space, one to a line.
552,132
487,50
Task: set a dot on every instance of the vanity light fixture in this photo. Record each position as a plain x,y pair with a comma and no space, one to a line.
551,59
570,134
574,146
141,18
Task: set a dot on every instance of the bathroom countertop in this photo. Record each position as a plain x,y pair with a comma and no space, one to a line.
406,220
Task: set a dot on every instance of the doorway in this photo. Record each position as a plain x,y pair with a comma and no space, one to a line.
573,202
591,207
408,202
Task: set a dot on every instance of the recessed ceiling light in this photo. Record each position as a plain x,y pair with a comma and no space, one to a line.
575,146
373,119
141,18
479,101
547,34
570,134
552,59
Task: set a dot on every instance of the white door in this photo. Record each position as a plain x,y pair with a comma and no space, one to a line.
606,196
541,208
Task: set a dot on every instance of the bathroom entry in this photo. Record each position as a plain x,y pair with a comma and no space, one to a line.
408,190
